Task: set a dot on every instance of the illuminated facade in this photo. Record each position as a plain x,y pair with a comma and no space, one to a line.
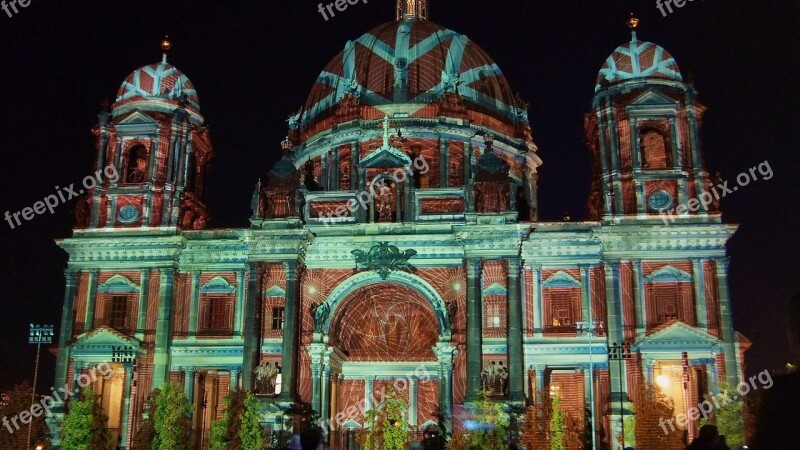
399,236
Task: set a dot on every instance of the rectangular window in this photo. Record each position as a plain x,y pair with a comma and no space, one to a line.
118,312
277,318
217,317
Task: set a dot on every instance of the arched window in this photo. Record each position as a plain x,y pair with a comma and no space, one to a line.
136,167
654,150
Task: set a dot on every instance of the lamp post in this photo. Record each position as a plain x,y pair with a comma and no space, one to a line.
620,353
591,330
39,334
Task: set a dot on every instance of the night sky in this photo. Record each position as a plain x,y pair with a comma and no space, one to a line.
254,62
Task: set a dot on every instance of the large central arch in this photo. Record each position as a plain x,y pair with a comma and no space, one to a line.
369,278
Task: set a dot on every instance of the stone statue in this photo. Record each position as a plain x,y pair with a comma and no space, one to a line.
321,313
266,377
255,201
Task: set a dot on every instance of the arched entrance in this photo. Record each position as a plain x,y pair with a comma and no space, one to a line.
382,332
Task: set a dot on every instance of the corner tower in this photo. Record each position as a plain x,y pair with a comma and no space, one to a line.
156,140
644,135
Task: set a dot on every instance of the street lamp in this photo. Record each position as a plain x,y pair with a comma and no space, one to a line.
620,353
39,334
591,330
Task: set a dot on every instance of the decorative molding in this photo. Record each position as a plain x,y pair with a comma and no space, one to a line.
118,284
561,279
217,285
668,274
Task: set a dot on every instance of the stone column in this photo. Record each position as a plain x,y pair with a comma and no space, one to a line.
639,300
251,333
699,282
412,401
354,161
144,292
289,347
239,306
194,304
91,301
538,302
368,391
474,328
163,329
540,386
444,165
650,368
726,323
586,297
188,382
65,330
234,382
325,410
126,404
516,377
615,333
316,398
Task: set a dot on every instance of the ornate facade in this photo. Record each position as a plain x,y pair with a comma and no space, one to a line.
398,238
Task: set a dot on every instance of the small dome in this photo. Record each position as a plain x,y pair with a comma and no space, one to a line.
411,62
160,81
638,59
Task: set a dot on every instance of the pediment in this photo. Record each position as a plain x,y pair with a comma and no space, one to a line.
275,291
217,285
654,98
385,157
668,274
137,118
118,284
678,333
561,280
104,337
495,289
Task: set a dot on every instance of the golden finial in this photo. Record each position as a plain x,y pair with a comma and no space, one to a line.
633,22
165,46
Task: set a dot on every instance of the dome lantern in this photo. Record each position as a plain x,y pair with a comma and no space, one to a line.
412,9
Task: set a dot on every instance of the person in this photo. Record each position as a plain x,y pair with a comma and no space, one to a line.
779,415
311,439
709,439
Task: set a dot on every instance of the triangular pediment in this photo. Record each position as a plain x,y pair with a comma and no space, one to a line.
561,280
105,337
385,157
275,291
118,284
668,274
217,285
653,98
137,118
494,289
680,334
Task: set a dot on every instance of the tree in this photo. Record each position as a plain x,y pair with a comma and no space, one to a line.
240,427
11,436
730,417
250,431
653,408
490,428
84,428
536,428
172,419
557,425
144,437
387,429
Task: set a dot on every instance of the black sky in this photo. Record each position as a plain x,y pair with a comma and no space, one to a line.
254,62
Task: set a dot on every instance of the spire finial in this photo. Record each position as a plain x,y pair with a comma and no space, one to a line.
165,46
412,9
633,23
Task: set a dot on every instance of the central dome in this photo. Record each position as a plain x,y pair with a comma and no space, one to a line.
412,62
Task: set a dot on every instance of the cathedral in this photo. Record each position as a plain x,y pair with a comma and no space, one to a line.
397,242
